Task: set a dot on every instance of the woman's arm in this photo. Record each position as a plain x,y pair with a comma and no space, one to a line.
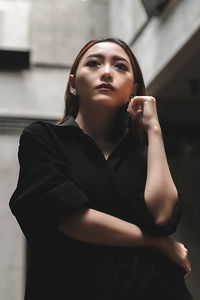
92,226
160,192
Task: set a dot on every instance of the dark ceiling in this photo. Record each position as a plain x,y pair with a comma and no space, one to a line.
177,87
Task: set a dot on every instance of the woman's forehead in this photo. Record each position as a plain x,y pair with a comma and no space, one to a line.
107,49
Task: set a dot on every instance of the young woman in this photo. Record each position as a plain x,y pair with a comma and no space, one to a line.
95,197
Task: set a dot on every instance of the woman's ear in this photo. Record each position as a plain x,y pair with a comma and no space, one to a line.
72,86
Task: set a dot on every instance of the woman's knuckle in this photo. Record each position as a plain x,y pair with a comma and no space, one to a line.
152,99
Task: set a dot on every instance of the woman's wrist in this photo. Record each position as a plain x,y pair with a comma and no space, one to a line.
154,128
153,242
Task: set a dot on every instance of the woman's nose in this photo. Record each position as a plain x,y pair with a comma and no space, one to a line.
107,73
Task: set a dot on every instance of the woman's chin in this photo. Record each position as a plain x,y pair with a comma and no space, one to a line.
108,101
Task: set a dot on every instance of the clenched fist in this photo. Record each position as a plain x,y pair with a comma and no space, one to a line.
144,109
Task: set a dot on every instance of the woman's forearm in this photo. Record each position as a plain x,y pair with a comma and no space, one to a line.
92,226
160,192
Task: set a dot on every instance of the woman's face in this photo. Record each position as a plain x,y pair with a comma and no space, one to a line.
108,64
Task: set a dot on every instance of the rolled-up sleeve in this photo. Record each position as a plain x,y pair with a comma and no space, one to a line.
46,192
146,220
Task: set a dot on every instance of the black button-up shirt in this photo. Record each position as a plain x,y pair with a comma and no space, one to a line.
62,170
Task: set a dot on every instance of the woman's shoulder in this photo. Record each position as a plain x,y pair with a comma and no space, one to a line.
46,131
38,127
43,128
34,133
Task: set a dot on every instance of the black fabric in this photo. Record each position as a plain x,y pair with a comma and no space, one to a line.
63,170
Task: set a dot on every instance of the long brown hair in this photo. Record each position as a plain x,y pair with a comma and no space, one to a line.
72,102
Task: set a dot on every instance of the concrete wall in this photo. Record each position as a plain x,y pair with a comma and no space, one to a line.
126,18
162,38
54,32
59,29
12,258
14,24
38,92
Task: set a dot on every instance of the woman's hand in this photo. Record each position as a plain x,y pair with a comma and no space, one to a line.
144,109
176,252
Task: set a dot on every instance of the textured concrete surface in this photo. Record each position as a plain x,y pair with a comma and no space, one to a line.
14,24
165,36
38,92
61,28
11,239
126,18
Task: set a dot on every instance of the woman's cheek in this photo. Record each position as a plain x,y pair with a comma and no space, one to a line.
126,91
84,79
81,83
84,88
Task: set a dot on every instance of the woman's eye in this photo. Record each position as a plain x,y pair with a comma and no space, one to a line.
122,66
93,63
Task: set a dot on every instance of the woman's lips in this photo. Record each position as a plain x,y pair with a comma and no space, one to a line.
105,87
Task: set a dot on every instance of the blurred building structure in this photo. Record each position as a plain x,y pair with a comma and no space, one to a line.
39,40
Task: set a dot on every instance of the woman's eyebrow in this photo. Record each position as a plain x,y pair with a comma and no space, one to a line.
115,57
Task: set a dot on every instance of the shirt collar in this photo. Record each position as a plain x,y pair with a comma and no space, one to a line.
69,121
119,132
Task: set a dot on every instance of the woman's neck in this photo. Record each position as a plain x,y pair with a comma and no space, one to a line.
98,124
